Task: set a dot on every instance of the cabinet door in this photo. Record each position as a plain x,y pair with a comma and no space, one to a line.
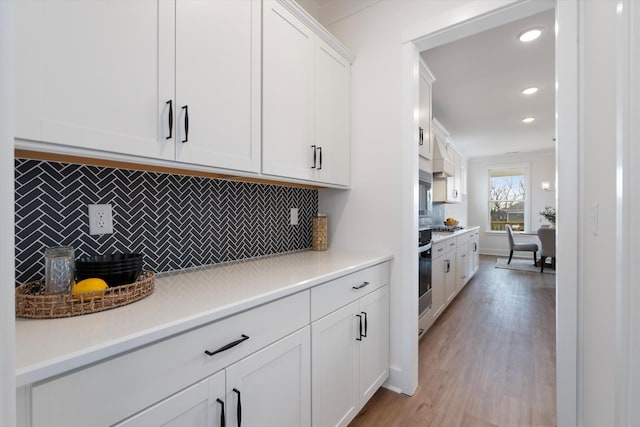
474,256
462,266
425,148
334,376
331,112
95,74
287,97
449,276
438,270
196,406
374,347
218,80
454,189
272,386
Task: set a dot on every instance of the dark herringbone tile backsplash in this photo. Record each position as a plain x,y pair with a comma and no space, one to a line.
175,221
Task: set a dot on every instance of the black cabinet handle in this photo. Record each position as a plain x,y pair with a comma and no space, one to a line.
239,407
314,157
186,123
365,323
360,286
227,346
170,102
421,136
359,327
222,417
320,149
448,266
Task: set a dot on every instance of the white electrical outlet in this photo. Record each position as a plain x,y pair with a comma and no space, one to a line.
100,219
294,216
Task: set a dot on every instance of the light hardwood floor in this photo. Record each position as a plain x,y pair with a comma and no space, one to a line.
489,360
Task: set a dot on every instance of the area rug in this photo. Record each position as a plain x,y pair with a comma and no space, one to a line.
522,265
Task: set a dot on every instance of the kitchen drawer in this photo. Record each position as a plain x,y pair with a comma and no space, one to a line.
464,238
110,391
440,248
332,295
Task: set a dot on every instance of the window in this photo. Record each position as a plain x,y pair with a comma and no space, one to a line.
507,198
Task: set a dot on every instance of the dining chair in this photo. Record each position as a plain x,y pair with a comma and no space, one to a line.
523,247
547,238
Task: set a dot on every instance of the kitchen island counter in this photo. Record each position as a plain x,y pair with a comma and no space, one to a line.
182,300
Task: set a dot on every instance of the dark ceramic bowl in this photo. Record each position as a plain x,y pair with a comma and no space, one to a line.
115,269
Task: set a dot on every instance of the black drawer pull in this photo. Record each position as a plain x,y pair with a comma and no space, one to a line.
365,323
359,327
314,156
186,123
222,417
170,102
227,346
320,156
239,407
360,286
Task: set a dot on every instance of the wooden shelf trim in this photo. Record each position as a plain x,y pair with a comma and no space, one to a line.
65,158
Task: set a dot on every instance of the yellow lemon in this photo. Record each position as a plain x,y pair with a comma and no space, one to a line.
90,288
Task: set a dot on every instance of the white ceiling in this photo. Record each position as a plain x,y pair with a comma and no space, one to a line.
329,11
477,93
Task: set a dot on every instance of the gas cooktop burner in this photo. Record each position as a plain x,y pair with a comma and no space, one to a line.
446,228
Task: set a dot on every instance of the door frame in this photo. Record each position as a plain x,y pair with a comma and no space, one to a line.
7,231
471,19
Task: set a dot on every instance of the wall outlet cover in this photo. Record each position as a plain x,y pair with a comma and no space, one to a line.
294,216
100,219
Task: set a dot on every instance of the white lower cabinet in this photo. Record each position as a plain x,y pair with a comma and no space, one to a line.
256,368
199,405
243,393
462,267
350,353
449,274
454,263
272,387
474,253
140,379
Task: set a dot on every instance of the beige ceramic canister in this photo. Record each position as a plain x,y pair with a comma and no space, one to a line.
320,242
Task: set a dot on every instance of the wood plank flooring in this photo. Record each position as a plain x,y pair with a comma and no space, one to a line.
489,359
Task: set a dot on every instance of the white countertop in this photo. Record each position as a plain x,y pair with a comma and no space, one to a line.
439,236
181,301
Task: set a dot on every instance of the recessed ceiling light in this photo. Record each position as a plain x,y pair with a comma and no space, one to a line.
530,34
528,119
530,90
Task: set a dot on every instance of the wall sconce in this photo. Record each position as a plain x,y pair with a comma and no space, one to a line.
546,186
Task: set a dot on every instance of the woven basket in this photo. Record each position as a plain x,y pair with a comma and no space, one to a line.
40,306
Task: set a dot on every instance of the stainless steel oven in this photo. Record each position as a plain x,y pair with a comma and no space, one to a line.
425,200
424,270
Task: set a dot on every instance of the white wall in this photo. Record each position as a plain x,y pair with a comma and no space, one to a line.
598,267
372,214
541,167
7,297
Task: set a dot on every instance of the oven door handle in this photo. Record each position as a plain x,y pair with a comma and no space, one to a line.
424,248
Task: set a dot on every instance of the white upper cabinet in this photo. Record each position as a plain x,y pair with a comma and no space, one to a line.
218,83
305,129
425,139
246,86
87,74
287,81
174,80
331,124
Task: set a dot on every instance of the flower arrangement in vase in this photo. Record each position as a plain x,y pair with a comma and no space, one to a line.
550,214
